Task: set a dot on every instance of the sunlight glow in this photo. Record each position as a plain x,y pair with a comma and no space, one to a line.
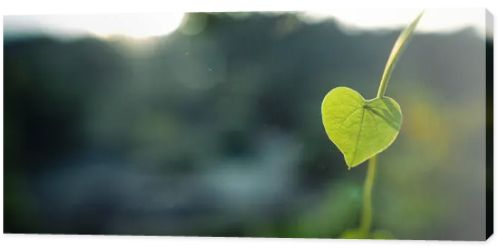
129,25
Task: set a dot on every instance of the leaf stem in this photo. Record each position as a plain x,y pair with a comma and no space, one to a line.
398,47
366,215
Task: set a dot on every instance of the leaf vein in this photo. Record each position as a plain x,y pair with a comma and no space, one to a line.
359,135
350,114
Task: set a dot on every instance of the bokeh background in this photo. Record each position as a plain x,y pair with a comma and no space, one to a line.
215,130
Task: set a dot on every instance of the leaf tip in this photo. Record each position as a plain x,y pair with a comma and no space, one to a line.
350,165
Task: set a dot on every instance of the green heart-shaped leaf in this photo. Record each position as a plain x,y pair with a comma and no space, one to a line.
360,128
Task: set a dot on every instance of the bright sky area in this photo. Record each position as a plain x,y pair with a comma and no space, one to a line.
157,24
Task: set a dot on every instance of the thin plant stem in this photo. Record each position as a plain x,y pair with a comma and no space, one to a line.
367,207
366,215
396,51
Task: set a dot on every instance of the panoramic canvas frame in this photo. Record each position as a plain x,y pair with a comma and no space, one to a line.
218,124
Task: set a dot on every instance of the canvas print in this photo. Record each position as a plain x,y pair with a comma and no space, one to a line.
342,123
